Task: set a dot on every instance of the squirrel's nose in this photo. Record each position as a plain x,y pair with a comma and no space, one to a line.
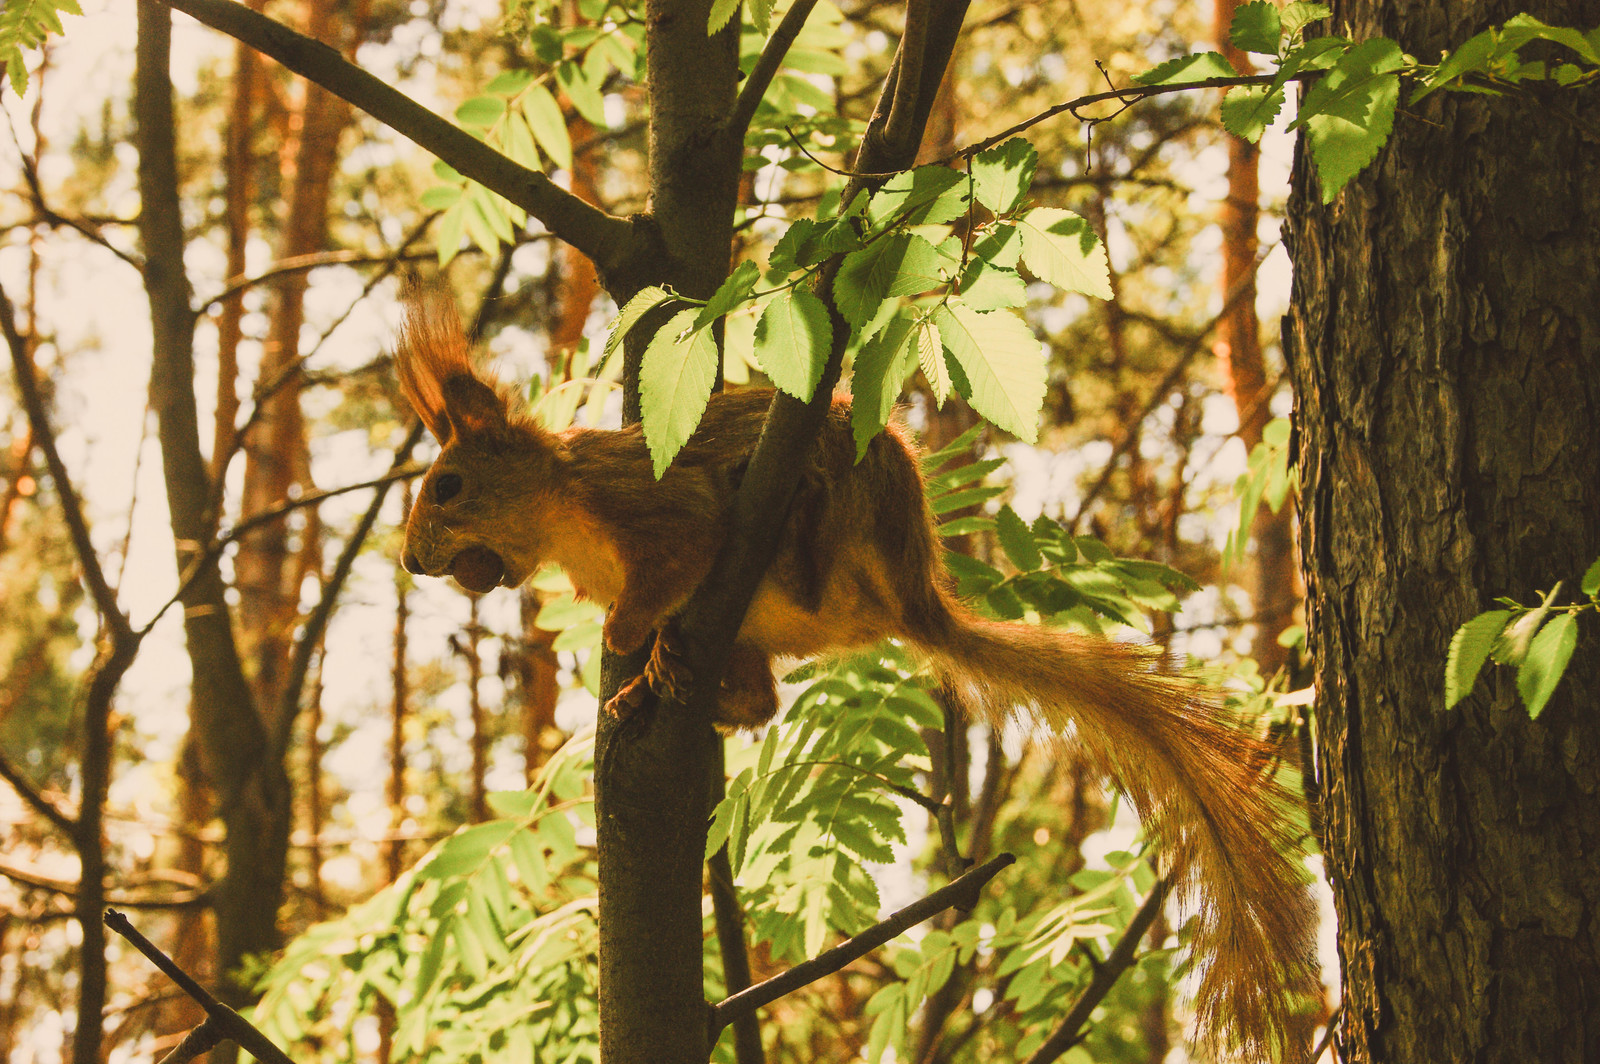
409,561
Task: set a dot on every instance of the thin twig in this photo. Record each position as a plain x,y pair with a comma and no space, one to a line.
1327,1036
36,801
315,260
214,550
232,1025
44,436
755,86
1131,94
829,961
1105,976
1158,395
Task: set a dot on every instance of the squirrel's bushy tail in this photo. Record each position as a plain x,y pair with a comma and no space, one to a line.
1200,786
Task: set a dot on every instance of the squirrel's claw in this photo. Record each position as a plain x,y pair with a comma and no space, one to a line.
667,672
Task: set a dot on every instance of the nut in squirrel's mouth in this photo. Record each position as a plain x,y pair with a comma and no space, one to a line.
478,569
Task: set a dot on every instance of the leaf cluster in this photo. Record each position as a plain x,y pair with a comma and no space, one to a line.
1537,641
914,293
488,942
1348,111
24,25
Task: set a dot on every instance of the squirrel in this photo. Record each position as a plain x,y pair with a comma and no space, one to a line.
860,561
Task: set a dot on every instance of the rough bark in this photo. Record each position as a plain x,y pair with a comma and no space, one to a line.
1445,338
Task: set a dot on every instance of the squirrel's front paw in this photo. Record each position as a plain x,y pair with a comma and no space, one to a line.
667,672
624,634
629,699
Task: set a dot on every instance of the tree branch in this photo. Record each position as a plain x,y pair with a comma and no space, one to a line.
603,238
908,74
202,561
60,820
44,436
755,86
311,632
1106,974
225,1021
958,893
1131,94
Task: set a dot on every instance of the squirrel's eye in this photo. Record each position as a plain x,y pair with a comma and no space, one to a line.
446,487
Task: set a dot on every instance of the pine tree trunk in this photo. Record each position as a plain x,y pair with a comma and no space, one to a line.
1445,338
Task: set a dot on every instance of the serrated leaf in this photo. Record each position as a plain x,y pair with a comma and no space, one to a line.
1200,66
1256,28
721,12
549,125
1546,662
900,264
999,245
1002,175
881,368
930,357
1017,540
1297,16
1003,361
730,293
985,286
1342,149
643,302
1063,249
1469,649
1591,580
793,339
794,248
1356,86
675,380
1247,110
922,195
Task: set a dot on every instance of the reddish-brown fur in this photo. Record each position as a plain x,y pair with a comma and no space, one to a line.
860,562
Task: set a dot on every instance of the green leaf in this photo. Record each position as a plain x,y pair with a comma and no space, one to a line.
441,197
999,245
1247,110
1004,362
675,380
1546,662
1298,16
930,356
881,368
1469,649
721,12
1256,27
1001,176
1357,86
467,849
642,302
1017,540
1591,580
481,111
1342,148
549,125
795,248
899,264
1062,248
985,286
927,194
793,339
730,294
509,82
584,94
1471,57
1201,66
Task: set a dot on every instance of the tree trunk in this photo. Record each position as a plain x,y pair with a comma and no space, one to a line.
1445,339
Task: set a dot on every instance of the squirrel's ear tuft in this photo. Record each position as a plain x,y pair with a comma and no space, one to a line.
475,410
432,352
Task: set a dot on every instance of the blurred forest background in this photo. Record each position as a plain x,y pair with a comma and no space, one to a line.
327,720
